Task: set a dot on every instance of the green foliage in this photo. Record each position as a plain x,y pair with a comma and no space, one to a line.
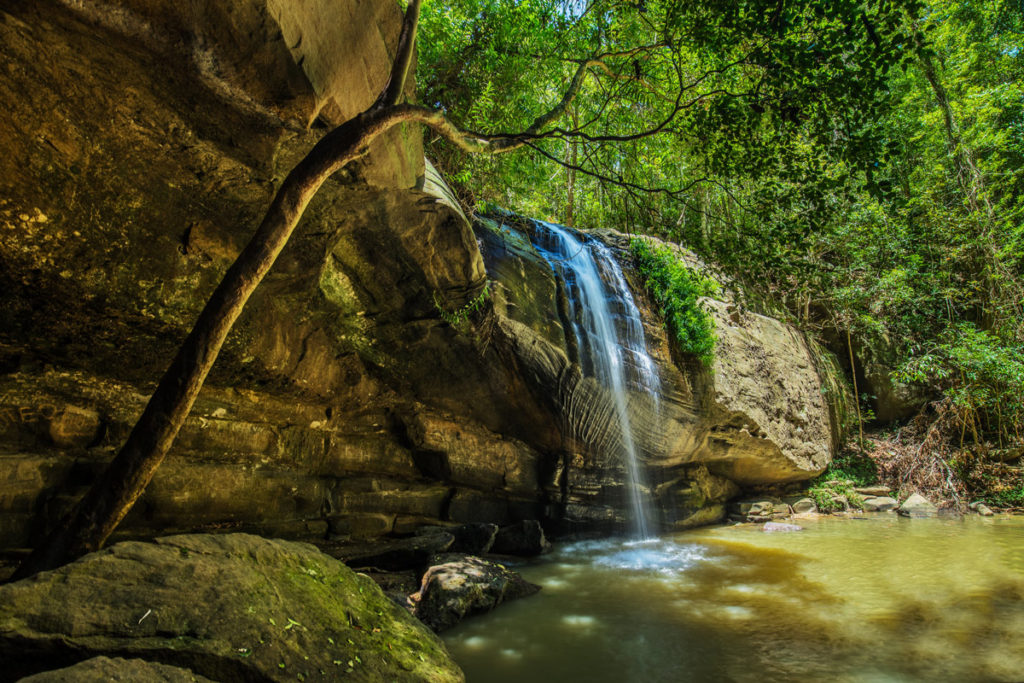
676,289
824,493
460,317
862,163
852,465
1009,497
982,375
849,469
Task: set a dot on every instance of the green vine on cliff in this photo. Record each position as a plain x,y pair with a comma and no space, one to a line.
459,316
676,290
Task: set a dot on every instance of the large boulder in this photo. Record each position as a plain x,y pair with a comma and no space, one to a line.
458,586
228,607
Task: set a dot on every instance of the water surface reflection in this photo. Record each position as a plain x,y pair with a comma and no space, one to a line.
874,599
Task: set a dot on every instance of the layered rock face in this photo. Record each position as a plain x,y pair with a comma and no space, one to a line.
758,416
139,156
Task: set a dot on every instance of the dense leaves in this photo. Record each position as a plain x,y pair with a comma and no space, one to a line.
676,290
862,163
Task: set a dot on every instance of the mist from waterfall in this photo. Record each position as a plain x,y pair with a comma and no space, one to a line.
609,334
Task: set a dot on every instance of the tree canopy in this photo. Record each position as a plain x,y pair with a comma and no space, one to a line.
861,162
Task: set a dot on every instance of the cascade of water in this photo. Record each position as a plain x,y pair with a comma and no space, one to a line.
610,337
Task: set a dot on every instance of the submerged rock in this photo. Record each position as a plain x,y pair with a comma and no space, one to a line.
524,539
775,527
229,607
760,510
117,669
982,509
459,586
918,506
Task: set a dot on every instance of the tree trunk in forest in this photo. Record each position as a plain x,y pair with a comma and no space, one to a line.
988,264
856,396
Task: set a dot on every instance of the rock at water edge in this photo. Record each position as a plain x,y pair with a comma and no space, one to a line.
917,506
880,504
525,539
475,538
459,586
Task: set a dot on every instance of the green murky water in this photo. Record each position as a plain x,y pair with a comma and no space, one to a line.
873,599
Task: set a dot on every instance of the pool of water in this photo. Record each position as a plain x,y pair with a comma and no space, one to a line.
877,598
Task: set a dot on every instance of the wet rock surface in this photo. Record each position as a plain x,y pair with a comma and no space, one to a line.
229,607
758,418
457,586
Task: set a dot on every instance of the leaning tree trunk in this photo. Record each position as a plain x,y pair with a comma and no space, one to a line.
98,513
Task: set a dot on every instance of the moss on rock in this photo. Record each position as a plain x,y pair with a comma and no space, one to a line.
229,607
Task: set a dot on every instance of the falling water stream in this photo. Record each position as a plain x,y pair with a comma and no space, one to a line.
610,337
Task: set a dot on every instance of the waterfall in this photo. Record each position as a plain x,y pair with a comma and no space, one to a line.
609,335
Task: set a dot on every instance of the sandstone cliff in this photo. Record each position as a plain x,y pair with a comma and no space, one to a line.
141,143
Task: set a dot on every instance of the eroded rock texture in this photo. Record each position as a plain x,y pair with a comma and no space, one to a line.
757,416
138,157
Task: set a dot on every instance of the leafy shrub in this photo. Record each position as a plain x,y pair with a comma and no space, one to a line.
823,495
852,465
982,375
676,289
458,317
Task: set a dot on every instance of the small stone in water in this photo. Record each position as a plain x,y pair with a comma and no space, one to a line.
778,526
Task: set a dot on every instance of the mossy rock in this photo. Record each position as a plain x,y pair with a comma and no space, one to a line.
228,607
117,669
